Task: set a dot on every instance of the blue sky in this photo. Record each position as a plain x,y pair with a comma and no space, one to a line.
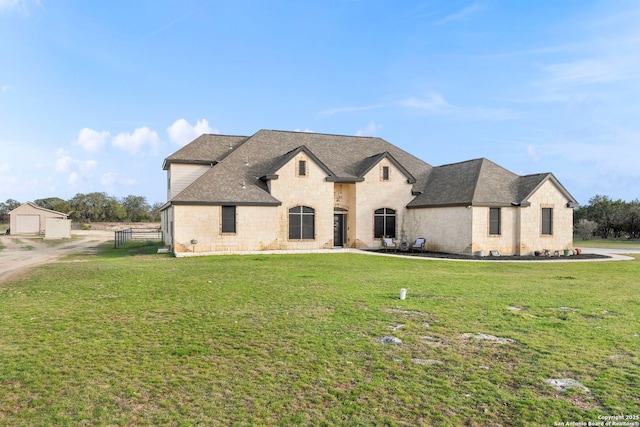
94,95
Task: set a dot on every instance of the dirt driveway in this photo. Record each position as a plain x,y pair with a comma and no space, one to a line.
21,253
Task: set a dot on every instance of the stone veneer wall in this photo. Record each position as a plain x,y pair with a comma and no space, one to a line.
532,239
506,243
311,190
446,229
254,229
374,193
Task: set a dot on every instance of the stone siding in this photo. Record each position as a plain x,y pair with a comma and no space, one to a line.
375,193
446,229
532,239
505,242
254,229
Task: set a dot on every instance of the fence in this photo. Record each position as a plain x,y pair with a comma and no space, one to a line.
123,236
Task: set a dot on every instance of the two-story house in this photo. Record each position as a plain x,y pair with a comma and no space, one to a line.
296,190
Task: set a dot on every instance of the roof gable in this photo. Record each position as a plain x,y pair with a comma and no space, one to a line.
529,184
370,162
206,149
40,208
286,158
256,159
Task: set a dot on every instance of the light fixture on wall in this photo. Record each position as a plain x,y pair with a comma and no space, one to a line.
244,185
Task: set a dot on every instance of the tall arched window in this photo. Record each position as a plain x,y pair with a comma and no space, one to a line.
384,222
301,223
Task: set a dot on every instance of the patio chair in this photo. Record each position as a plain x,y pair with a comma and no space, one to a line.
388,244
418,244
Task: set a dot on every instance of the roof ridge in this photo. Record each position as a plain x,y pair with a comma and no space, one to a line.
318,133
476,181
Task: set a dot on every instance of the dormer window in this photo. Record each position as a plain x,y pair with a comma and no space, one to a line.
302,168
385,173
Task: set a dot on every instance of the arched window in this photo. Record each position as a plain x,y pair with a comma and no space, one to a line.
384,222
301,223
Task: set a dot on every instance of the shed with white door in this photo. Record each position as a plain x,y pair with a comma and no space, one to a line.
30,218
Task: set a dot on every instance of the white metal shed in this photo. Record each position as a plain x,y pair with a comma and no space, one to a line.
30,218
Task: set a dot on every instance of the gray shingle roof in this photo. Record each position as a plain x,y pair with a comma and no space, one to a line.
240,165
205,149
261,154
480,182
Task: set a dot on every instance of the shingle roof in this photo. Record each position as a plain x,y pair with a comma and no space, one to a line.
240,165
261,154
480,182
205,149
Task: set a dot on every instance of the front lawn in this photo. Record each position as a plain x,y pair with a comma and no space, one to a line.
129,338
598,242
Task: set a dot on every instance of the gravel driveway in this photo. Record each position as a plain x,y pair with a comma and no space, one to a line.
21,253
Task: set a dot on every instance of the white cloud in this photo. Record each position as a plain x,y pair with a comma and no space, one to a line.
534,154
6,88
79,170
133,143
65,163
181,132
110,179
592,71
434,102
466,11
92,140
369,130
10,4
17,4
74,178
437,104
5,167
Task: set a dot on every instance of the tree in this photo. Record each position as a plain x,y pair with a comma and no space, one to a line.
7,207
54,203
613,218
154,212
137,208
585,228
96,207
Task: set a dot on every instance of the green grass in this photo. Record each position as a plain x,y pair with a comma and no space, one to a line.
130,338
598,242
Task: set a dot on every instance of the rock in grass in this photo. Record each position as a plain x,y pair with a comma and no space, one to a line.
390,340
426,361
563,384
395,327
490,338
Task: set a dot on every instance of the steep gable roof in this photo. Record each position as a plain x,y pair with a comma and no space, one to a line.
529,184
205,149
285,158
370,162
255,159
481,182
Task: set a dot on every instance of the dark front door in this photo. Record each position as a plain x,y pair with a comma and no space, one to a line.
339,229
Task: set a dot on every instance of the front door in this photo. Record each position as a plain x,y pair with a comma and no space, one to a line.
339,229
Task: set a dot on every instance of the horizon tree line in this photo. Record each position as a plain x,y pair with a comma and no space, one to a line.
94,207
601,217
